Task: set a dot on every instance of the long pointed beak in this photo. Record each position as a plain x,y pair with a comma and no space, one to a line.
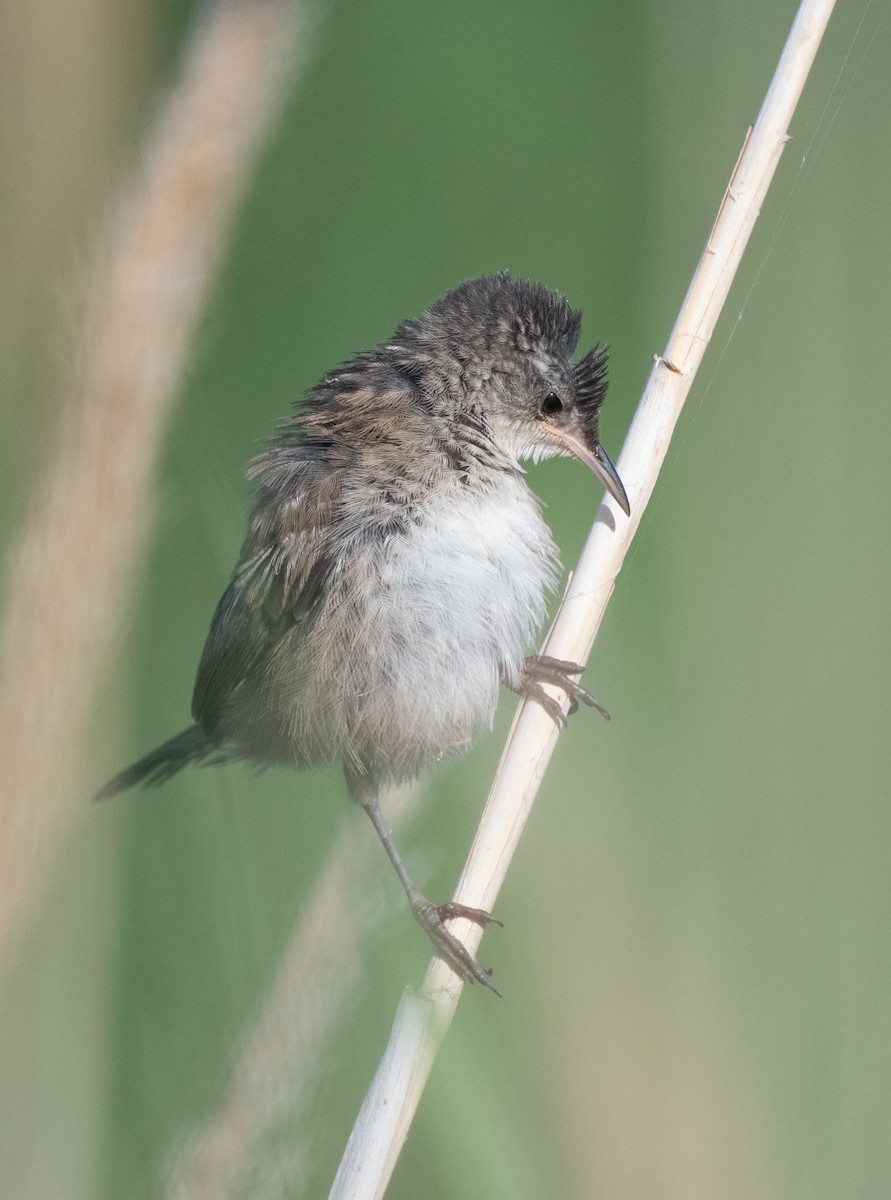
597,460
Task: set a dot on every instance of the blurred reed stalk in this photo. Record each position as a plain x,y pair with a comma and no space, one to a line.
424,1017
257,1142
91,511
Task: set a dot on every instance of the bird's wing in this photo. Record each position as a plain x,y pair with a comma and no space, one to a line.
275,586
307,504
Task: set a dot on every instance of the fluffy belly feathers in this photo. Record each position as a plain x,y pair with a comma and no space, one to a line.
454,604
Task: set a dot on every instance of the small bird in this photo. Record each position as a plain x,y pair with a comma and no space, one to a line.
396,564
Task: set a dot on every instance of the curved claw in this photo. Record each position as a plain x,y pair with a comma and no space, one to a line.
542,668
432,918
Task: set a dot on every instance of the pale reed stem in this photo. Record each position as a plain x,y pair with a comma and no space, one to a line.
423,1017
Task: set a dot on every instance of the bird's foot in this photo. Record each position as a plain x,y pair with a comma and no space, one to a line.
432,919
540,669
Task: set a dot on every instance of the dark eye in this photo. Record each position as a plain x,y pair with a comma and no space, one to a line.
551,405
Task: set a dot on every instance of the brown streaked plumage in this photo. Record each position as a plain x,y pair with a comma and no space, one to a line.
396,563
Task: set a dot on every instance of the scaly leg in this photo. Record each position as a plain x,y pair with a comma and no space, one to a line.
431,917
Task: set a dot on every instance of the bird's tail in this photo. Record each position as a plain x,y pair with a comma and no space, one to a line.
190,746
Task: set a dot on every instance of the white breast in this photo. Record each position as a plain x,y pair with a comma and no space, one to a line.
416,640
466,593
483,565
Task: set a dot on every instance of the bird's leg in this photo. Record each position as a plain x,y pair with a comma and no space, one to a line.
541,668
431,917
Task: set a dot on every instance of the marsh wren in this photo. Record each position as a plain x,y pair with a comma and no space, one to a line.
396,563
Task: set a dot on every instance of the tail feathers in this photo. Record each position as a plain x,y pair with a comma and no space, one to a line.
190,746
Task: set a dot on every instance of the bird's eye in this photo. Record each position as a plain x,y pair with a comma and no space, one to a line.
551,405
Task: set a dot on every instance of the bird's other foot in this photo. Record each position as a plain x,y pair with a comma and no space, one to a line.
432,919
540,669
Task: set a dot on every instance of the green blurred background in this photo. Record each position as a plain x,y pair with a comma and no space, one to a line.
696,960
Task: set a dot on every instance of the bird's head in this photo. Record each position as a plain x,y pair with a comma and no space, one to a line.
502,349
